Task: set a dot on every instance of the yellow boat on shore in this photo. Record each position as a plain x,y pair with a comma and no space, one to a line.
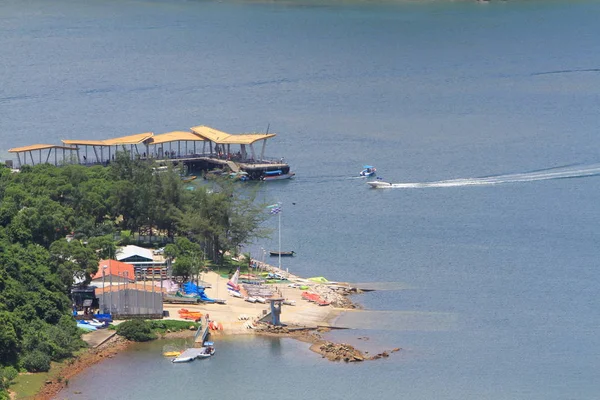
172,354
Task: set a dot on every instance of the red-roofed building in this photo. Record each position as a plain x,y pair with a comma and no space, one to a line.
114,272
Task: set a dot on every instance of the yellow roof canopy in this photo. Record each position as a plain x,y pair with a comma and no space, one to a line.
131,139
174,137
220,137
39,147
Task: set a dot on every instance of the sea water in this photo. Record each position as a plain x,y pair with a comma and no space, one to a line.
484,116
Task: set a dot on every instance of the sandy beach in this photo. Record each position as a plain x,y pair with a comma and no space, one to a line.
237,313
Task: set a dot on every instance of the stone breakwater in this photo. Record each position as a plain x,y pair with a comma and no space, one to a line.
335,294
329,350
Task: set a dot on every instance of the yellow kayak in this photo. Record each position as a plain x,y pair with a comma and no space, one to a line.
172,354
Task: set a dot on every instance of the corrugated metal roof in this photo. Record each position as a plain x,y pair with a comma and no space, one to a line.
131,250
114,268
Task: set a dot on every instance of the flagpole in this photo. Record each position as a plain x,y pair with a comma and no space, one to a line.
279,229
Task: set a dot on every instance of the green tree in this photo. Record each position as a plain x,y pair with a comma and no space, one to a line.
72,261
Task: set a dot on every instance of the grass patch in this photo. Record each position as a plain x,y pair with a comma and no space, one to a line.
28,384
161,326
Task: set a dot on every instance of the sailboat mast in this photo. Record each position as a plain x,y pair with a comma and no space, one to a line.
279,229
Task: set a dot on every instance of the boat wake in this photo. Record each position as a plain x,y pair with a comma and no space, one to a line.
564,172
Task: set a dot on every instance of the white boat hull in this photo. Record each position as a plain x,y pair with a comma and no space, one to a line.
380,185
278,177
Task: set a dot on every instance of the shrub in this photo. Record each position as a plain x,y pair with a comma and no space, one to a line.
7,376
136,330
171,325
36,361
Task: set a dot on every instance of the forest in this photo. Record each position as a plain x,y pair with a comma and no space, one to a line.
56,223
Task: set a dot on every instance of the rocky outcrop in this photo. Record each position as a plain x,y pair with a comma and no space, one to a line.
340,352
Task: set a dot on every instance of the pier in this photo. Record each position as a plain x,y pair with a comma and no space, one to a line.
202,148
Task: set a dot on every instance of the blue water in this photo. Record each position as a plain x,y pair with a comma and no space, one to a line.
495,272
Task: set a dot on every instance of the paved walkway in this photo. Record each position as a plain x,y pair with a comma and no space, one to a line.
96,338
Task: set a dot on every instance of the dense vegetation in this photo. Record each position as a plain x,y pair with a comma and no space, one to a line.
41,205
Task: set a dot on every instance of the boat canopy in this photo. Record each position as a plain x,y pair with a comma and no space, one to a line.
367,166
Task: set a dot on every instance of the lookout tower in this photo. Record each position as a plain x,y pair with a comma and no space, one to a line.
276,311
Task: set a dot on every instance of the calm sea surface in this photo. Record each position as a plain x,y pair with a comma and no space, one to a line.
491,271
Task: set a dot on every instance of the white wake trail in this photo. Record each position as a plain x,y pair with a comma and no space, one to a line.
553,173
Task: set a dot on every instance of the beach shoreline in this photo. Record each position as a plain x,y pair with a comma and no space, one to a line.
304,322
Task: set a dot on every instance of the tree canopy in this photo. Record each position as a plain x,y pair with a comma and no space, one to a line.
57,222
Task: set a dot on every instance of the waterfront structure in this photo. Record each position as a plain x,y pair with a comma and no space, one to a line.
201,148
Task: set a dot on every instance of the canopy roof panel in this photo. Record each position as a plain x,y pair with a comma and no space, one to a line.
84,142
209,133
220,137
248,138
131,139
175,136
39,147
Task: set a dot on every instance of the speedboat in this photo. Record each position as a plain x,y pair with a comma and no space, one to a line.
380,185
368,171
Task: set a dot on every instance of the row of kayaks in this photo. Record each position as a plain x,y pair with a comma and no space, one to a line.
91,325
315,298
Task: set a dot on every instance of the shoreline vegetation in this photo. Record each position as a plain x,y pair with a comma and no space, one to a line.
56,223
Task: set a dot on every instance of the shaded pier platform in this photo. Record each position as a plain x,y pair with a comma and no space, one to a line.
202,148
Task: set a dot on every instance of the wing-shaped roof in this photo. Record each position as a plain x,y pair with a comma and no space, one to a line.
39,147
220,137
131,139
248,138
175,136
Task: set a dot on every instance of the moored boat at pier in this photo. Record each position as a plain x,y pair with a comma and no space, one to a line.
277,175
274,253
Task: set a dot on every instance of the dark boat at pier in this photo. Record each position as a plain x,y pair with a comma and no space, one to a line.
282,253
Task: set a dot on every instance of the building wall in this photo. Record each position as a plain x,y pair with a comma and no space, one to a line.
131,302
